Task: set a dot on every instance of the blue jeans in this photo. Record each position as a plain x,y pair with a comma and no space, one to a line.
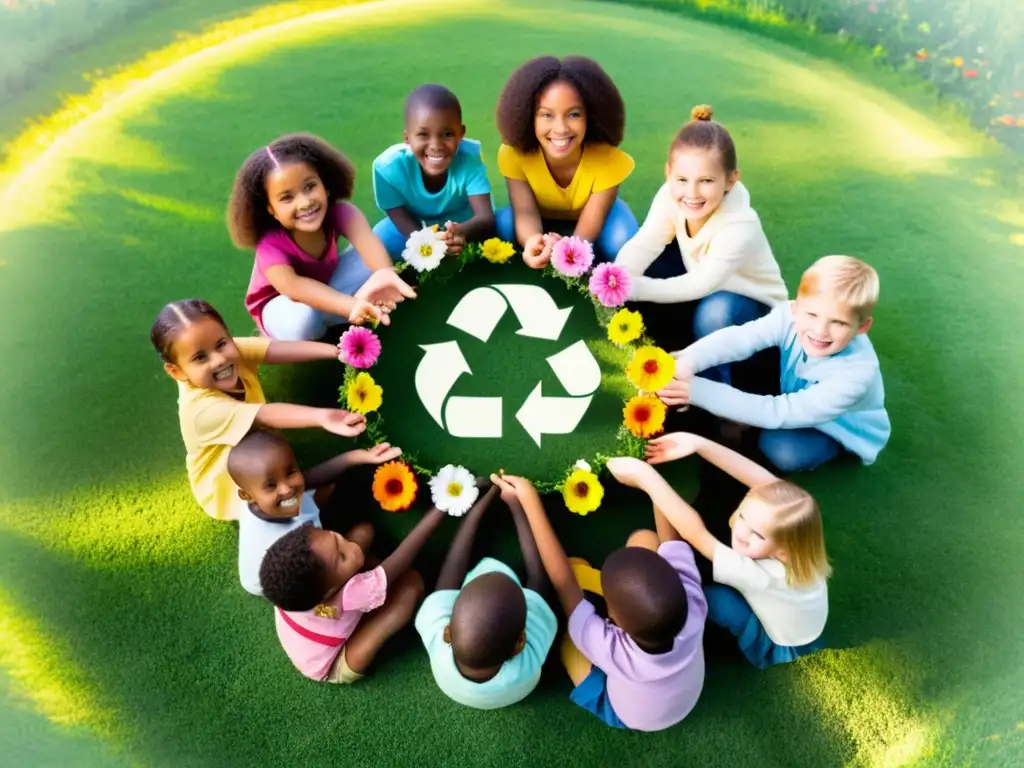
619,227
393,240
798,450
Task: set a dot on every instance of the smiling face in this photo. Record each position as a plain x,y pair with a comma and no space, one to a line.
272,483
697,182
752,531
204,356
560,121
341,559
297,197
824,325
433,136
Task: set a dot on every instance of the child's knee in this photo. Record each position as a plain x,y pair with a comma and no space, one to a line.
299,323
713,313
619,228
388,234
505,224
782,448
644,538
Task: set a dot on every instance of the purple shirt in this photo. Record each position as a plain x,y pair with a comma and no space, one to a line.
277,248
649,692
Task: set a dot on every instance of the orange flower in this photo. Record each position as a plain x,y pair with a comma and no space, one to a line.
644,415
394,486
921,55
1005,119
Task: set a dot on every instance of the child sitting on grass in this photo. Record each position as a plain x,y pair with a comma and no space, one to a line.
770,591
332,617
643,667
220,398
832,396
436,177
276,497
487,636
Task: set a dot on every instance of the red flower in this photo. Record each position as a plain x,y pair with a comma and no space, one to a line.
1018,94
970,73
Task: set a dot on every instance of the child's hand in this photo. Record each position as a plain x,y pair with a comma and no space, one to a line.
379,454
537,252
341,422
676,445
629,471
515,487
453,236
385,290
675,393
684,367
363,312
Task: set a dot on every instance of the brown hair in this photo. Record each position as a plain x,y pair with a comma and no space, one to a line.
176,316
704,133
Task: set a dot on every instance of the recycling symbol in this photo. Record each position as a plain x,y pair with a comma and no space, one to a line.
478,314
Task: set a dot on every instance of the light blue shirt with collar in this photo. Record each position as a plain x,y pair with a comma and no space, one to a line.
256,536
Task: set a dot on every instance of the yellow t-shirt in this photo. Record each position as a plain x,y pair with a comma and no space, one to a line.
212,422
601,167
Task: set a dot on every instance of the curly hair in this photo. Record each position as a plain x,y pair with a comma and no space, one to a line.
247,216
606,112
704,133
291,575
174,318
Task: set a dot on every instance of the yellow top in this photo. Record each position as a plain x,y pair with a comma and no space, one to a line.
601,167
212,422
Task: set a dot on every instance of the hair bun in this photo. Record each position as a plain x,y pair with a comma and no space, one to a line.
701,112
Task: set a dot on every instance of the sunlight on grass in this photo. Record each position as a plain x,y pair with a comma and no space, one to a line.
41,672
178,208
865,693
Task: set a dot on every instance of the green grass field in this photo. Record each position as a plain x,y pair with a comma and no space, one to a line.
124,635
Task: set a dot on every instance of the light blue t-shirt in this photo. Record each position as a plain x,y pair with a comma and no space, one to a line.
255,537
398,182
841,395
517,677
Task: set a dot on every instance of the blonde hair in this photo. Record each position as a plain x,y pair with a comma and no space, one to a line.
849,280
795,528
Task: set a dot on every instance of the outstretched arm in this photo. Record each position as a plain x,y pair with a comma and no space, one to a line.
398,562
284,352
536,578
327,472
288,416
551,553
481,225
677,445
456,564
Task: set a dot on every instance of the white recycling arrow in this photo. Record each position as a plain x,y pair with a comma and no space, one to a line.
478,313
541,415
437,373
473,416
536,311
576,369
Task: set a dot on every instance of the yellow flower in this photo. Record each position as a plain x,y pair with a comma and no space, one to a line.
394,486
644,415
582,492
496,250
650,369
364,395
624,327
958,61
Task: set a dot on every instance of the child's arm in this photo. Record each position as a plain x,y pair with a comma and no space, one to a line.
358,232
551,553
535,575
682,516
657,230
403,220
285,352
595,211
678,445
320,296
327,473
481,225
456,564
288,416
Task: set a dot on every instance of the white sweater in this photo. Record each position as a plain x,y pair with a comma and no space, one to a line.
730,253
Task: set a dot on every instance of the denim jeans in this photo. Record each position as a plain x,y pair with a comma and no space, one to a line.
797,450
619,227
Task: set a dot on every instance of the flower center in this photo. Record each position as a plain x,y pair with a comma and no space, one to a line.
642,413
624,327
426,251
612,282
454,489
360,394
393,486
581,489
359,349
651,366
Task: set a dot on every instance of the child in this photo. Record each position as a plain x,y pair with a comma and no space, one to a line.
832,397
314,578
702,244
770,589
220,398
436,177
276,497
486,636
562,123
643,667
289,203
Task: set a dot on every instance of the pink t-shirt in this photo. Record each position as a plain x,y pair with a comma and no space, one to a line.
364,592
277,248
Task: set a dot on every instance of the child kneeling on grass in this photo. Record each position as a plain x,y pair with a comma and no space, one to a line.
643,667
276,497
831,398
487,636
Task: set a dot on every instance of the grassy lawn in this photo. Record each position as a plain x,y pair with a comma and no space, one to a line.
120,613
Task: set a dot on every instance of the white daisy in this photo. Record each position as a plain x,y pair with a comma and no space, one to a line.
581,464
453,490
424,250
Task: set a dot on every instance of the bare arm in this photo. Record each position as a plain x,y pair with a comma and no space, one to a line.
398,562
481,226
536,578
403,220
288,416
284,352
679,514
591,220
369,247
743,469
524,208
456,564
308,291
666,531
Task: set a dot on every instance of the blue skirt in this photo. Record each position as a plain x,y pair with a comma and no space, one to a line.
592,695
729,609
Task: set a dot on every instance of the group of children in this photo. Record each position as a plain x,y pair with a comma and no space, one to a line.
706,281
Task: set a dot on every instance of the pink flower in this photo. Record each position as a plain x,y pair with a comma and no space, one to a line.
572,256
610,284
970,73
359,347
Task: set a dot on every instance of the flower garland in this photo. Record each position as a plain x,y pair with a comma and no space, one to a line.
453,488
